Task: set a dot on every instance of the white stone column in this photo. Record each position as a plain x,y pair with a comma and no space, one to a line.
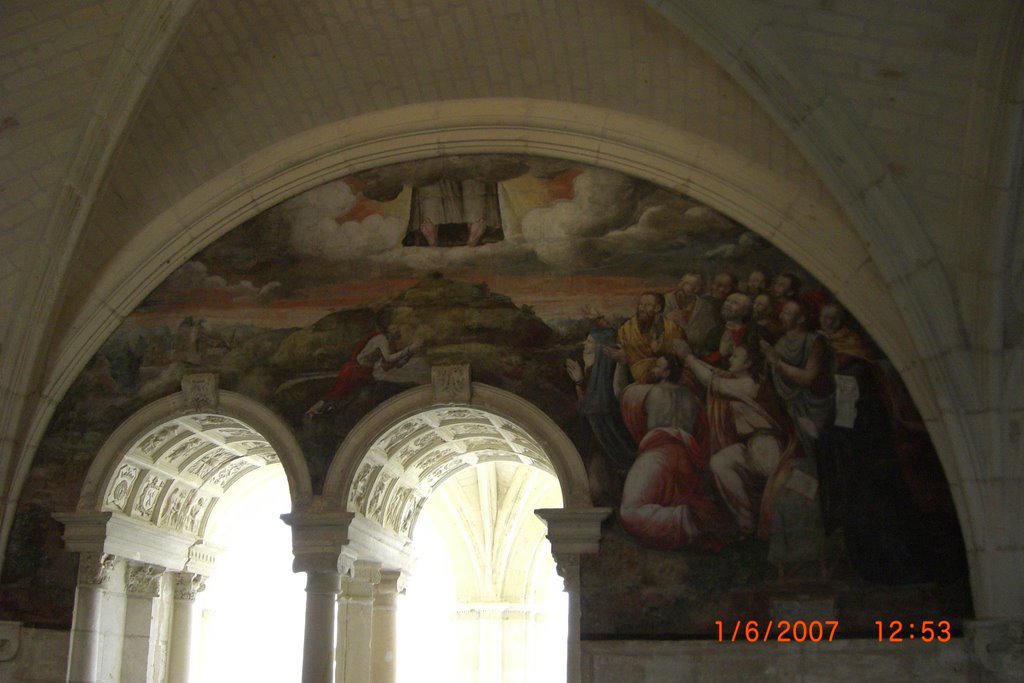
186,586
142,587
84,655
385,626
317,541
355,622
569,569
573,533
318,645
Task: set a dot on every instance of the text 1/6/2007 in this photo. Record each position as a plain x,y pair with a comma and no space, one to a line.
781,631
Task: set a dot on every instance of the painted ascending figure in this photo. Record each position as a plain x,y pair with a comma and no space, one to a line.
453,212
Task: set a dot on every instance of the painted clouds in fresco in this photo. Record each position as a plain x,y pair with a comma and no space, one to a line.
313,230
608,220
747,244
596,228
568,233
659,226
194,275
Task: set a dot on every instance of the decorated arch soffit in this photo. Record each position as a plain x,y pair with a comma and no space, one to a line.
418,454
176,473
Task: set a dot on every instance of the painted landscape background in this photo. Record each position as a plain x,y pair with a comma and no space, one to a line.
515,265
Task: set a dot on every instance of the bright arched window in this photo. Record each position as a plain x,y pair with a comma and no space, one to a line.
484,602
251,613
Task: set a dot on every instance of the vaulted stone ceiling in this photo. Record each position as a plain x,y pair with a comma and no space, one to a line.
174,475
497,546
416,456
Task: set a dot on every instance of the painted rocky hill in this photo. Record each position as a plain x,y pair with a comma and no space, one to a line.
506,345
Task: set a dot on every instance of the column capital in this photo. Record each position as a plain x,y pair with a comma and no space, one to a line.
143,579
359,570
94,569
996,649
118,534
187,585
575,531
568,567
318,539
391,583
359,579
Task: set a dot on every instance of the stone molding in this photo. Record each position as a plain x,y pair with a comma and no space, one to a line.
562,453
854,659
201,559
253,414
116,534
368,540
323,583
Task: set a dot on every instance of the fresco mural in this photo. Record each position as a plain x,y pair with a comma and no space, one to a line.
754,442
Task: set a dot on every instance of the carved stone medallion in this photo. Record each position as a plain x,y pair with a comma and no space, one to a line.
451,383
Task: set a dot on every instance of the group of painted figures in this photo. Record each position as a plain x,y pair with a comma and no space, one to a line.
756,413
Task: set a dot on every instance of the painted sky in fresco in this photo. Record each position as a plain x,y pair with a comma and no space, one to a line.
573,237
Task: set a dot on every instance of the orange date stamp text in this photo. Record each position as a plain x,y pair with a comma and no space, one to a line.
781,631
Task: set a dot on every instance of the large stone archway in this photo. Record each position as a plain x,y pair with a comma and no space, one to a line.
200,395
356,539
798,219
140,526
499,413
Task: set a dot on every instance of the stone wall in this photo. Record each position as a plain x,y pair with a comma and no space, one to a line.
713,662
32,655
